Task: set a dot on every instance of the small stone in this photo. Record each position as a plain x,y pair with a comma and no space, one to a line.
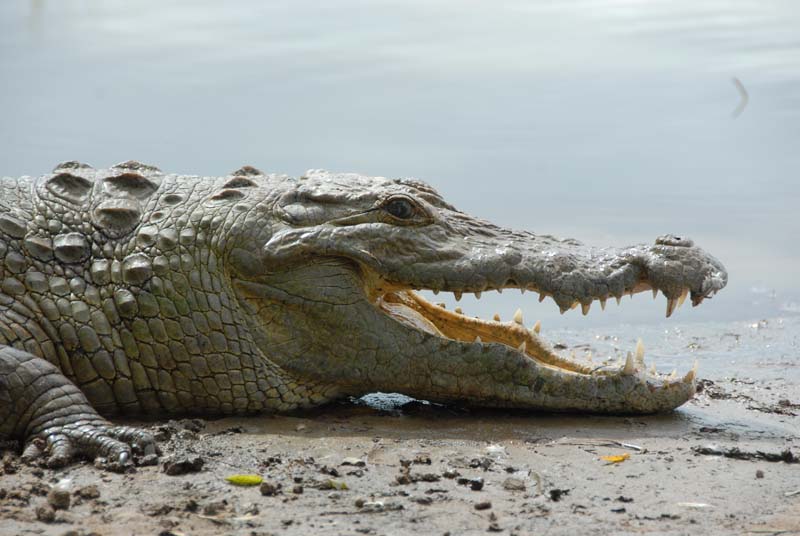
483,505
268,489
513,484
353,461
88,492
475,484
58,498
759,474
297,490
183,465
45,514
450,473
149,459
214,508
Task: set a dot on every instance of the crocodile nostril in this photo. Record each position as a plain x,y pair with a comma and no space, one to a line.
673,240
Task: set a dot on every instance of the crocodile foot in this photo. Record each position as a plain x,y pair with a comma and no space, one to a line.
56,420
111,447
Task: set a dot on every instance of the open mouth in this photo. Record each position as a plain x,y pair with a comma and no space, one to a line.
414,311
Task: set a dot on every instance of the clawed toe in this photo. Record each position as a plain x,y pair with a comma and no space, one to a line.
111,447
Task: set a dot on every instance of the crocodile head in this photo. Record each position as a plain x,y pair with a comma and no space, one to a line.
330,285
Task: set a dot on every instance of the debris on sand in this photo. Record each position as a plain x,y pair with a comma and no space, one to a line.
513,484
58,498
183,465
737,454
244,480
268,489
475,484
615,459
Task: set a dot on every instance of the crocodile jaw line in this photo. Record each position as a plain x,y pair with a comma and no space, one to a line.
411,309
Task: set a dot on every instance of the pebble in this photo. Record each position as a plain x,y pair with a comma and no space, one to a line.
268,489
45,514
183,465
483,505
58,499
513,484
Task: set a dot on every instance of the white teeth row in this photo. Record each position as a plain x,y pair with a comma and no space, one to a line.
634,362
672,303
517,318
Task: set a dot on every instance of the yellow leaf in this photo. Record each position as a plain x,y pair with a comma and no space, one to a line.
244,480
616,459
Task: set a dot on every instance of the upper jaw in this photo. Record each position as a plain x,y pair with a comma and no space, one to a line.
574,275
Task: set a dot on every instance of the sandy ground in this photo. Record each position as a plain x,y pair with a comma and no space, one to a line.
393,467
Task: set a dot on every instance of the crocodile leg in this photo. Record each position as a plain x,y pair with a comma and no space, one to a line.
39,405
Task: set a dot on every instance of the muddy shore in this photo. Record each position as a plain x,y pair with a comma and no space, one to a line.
726,463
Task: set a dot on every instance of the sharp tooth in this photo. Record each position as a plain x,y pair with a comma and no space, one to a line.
440,304
655,293
672,303
436,292
499,291
589,356
518,316
522,347
542,296
458,310
689,378
682,297
653,370
457,295
522,290
602,304
619,299
585,308
478,338
496,317
672,375
639,352
478,295
628,369
537,327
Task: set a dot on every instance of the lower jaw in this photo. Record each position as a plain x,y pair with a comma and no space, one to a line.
411,309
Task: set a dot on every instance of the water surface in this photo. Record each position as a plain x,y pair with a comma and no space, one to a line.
609,121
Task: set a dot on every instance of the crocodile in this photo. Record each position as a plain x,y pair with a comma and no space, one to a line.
128,291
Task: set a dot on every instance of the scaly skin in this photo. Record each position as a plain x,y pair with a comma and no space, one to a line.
128,291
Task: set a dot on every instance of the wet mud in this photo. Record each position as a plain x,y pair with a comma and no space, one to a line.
723,464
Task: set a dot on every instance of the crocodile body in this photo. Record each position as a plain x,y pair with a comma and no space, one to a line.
130,291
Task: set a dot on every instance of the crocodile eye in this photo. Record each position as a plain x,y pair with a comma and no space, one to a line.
400,208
